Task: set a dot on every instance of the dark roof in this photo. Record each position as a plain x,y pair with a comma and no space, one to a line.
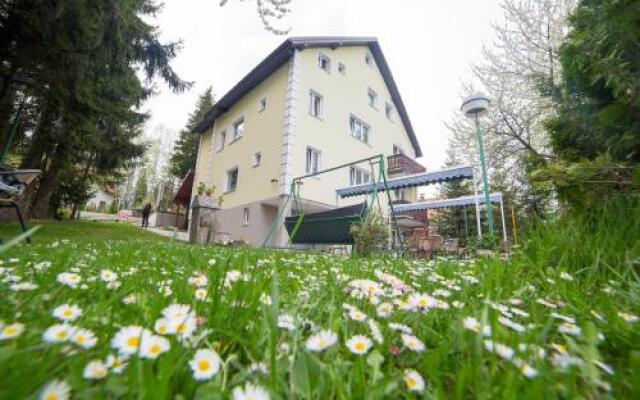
183,196
283,53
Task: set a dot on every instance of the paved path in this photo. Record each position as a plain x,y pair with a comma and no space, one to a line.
94,216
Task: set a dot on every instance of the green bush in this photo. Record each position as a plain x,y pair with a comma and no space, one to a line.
370,235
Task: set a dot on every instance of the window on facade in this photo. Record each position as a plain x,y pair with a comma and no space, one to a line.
359,129
262,105
388,111
232,180
256,159
399,194
238,128
220,140
373,97
397,149
315,104
368,59
358,176
342,68
245,216
312,160
324,62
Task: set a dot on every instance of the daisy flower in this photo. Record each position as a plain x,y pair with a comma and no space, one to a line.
375,331
414,381
501,350
357,315
526,369
106,275
511,324
628,318
286,321
153,345
359,344
70,279
58,333
384,310
116,363
11,331
183,327
84,338
569,329
161,326
55,390
205,364
566,276
422,301
95,370
413,343
127,339
400,327
474,325
201,294
177,311
249,392
67,312
322,340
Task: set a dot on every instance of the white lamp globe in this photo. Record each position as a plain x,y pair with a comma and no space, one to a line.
476,105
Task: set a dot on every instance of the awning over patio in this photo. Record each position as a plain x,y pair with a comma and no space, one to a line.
422,179
446,203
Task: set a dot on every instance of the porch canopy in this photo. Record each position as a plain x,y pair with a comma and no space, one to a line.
446,203
422,179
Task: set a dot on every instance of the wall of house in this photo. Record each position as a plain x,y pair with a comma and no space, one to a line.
343,95
100,196
261,217
262,132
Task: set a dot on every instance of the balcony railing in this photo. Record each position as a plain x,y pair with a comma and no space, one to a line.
401,164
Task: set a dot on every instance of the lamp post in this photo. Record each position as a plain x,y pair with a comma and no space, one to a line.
476,106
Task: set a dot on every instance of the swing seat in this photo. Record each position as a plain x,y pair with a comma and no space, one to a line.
326,227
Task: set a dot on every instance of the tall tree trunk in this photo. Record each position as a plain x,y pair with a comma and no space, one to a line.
75,211
41,206
7,94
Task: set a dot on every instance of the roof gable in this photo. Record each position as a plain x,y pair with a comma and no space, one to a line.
283,53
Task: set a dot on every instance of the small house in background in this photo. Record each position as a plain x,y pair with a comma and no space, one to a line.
101,200
313,103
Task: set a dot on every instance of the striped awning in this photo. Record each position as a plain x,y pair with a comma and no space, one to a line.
422,179
446,203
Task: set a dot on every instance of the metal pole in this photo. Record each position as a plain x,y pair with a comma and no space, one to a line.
485,179
513,222
504,226
475,196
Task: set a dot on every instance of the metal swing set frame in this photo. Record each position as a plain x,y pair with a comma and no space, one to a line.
333,226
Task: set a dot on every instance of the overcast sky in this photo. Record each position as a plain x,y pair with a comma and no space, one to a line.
429,45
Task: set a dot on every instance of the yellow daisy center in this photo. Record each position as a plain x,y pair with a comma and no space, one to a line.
422,302
117,363
61,334
155,348
51,396
182,328
10,330
162,328
133,341
81,339
360,346
411,383
67,312
204,365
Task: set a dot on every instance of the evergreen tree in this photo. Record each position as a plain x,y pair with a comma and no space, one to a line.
186,148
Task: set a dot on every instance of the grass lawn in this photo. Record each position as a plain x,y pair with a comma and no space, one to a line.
148,318
85,231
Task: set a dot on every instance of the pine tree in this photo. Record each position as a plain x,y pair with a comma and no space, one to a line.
186,148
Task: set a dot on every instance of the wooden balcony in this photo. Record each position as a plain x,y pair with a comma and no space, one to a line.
400,164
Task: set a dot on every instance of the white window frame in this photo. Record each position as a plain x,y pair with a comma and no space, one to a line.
227,183
262,104
326,60
246,215
359,176
320,101
235,133
356,127
309,154
372,97
219,140
388,111
342,68
397,149
256,158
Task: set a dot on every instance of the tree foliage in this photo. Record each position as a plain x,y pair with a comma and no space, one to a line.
186,147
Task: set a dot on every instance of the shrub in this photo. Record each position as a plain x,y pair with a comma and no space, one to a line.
369,235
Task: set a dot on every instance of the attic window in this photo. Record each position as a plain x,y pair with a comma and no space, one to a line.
342,68
368,59
388,111
262,105
324,62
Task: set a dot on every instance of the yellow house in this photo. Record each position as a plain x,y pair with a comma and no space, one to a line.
313,103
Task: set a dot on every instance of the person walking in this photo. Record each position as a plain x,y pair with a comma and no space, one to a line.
146,211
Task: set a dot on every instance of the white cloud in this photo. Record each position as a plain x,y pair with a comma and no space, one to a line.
429,45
